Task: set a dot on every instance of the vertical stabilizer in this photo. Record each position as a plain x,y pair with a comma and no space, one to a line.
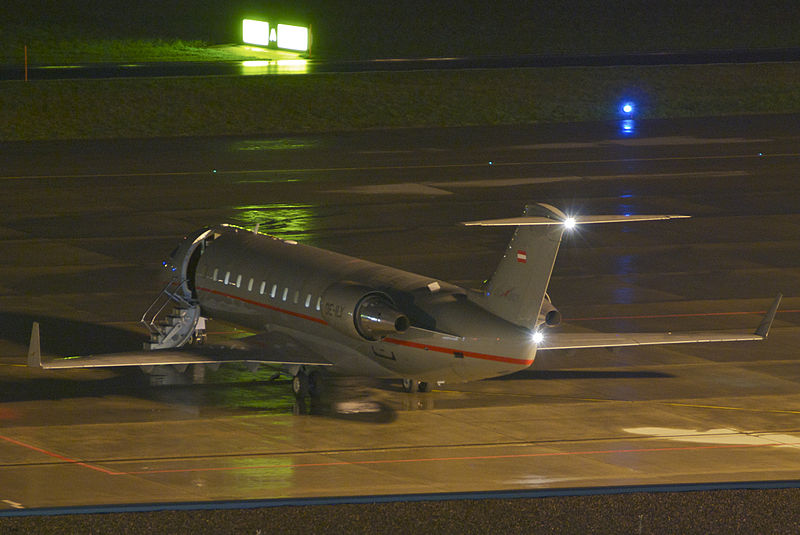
516,290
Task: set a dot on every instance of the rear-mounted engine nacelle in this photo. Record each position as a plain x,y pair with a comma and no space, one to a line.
361,312
549,315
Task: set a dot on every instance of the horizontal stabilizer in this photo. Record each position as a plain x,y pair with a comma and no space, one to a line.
569,221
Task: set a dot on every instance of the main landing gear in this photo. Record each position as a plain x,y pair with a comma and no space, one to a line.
307,384
412,385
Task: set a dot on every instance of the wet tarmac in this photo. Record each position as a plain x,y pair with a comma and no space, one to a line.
84,226
275,62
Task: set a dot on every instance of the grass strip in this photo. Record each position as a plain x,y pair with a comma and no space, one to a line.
200,106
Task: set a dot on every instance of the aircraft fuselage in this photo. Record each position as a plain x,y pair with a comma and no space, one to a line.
365,318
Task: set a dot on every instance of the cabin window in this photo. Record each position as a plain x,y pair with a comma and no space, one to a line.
263,287
308,300
227,277
296,296
273,291
239,281
250,286
319,303
216,274
285,294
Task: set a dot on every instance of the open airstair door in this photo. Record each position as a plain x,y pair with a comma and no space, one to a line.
174,318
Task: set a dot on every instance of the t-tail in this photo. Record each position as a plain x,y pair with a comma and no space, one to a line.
517,291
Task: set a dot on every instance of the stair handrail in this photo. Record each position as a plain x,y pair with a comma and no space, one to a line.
170,293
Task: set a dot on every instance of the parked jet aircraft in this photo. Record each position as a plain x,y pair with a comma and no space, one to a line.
316,309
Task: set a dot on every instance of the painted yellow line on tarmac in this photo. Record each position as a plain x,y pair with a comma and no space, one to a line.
727,408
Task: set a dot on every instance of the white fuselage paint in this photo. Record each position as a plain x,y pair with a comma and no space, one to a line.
264,283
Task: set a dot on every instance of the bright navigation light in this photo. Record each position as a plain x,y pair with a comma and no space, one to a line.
255,32
569,223
537,337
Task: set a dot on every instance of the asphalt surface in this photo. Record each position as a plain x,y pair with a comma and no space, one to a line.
85,224
728,511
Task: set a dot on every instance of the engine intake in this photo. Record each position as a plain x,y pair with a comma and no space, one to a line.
362,312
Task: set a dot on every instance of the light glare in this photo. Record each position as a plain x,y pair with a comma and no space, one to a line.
537,337
292,37
627,127
255,32
569,223
627,108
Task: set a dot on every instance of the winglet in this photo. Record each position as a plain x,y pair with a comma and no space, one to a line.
766,323
35,350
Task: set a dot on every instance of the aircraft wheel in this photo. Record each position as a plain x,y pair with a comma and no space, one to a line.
198,338
300,384
424,386
410,385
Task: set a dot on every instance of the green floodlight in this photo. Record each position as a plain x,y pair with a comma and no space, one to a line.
293,37
255,32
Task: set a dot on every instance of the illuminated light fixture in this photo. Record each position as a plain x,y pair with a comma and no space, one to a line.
292,37
255,32
569,223
537,337
627,108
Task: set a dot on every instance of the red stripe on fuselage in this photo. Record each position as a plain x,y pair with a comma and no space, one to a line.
470,354
406,343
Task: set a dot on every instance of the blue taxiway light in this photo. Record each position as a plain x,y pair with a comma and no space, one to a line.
627,108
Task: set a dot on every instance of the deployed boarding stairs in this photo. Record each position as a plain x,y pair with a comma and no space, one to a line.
175,327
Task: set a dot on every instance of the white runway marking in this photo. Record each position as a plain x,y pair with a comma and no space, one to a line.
437,188
568,178
404,188
718,436
666,141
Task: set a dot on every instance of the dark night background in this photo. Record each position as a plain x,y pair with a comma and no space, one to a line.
366,28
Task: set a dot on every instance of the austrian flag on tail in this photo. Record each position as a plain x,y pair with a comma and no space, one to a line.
522,256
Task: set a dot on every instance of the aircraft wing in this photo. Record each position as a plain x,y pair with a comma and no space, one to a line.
267,348
589,340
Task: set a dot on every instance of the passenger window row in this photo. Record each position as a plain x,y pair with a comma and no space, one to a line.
229,279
